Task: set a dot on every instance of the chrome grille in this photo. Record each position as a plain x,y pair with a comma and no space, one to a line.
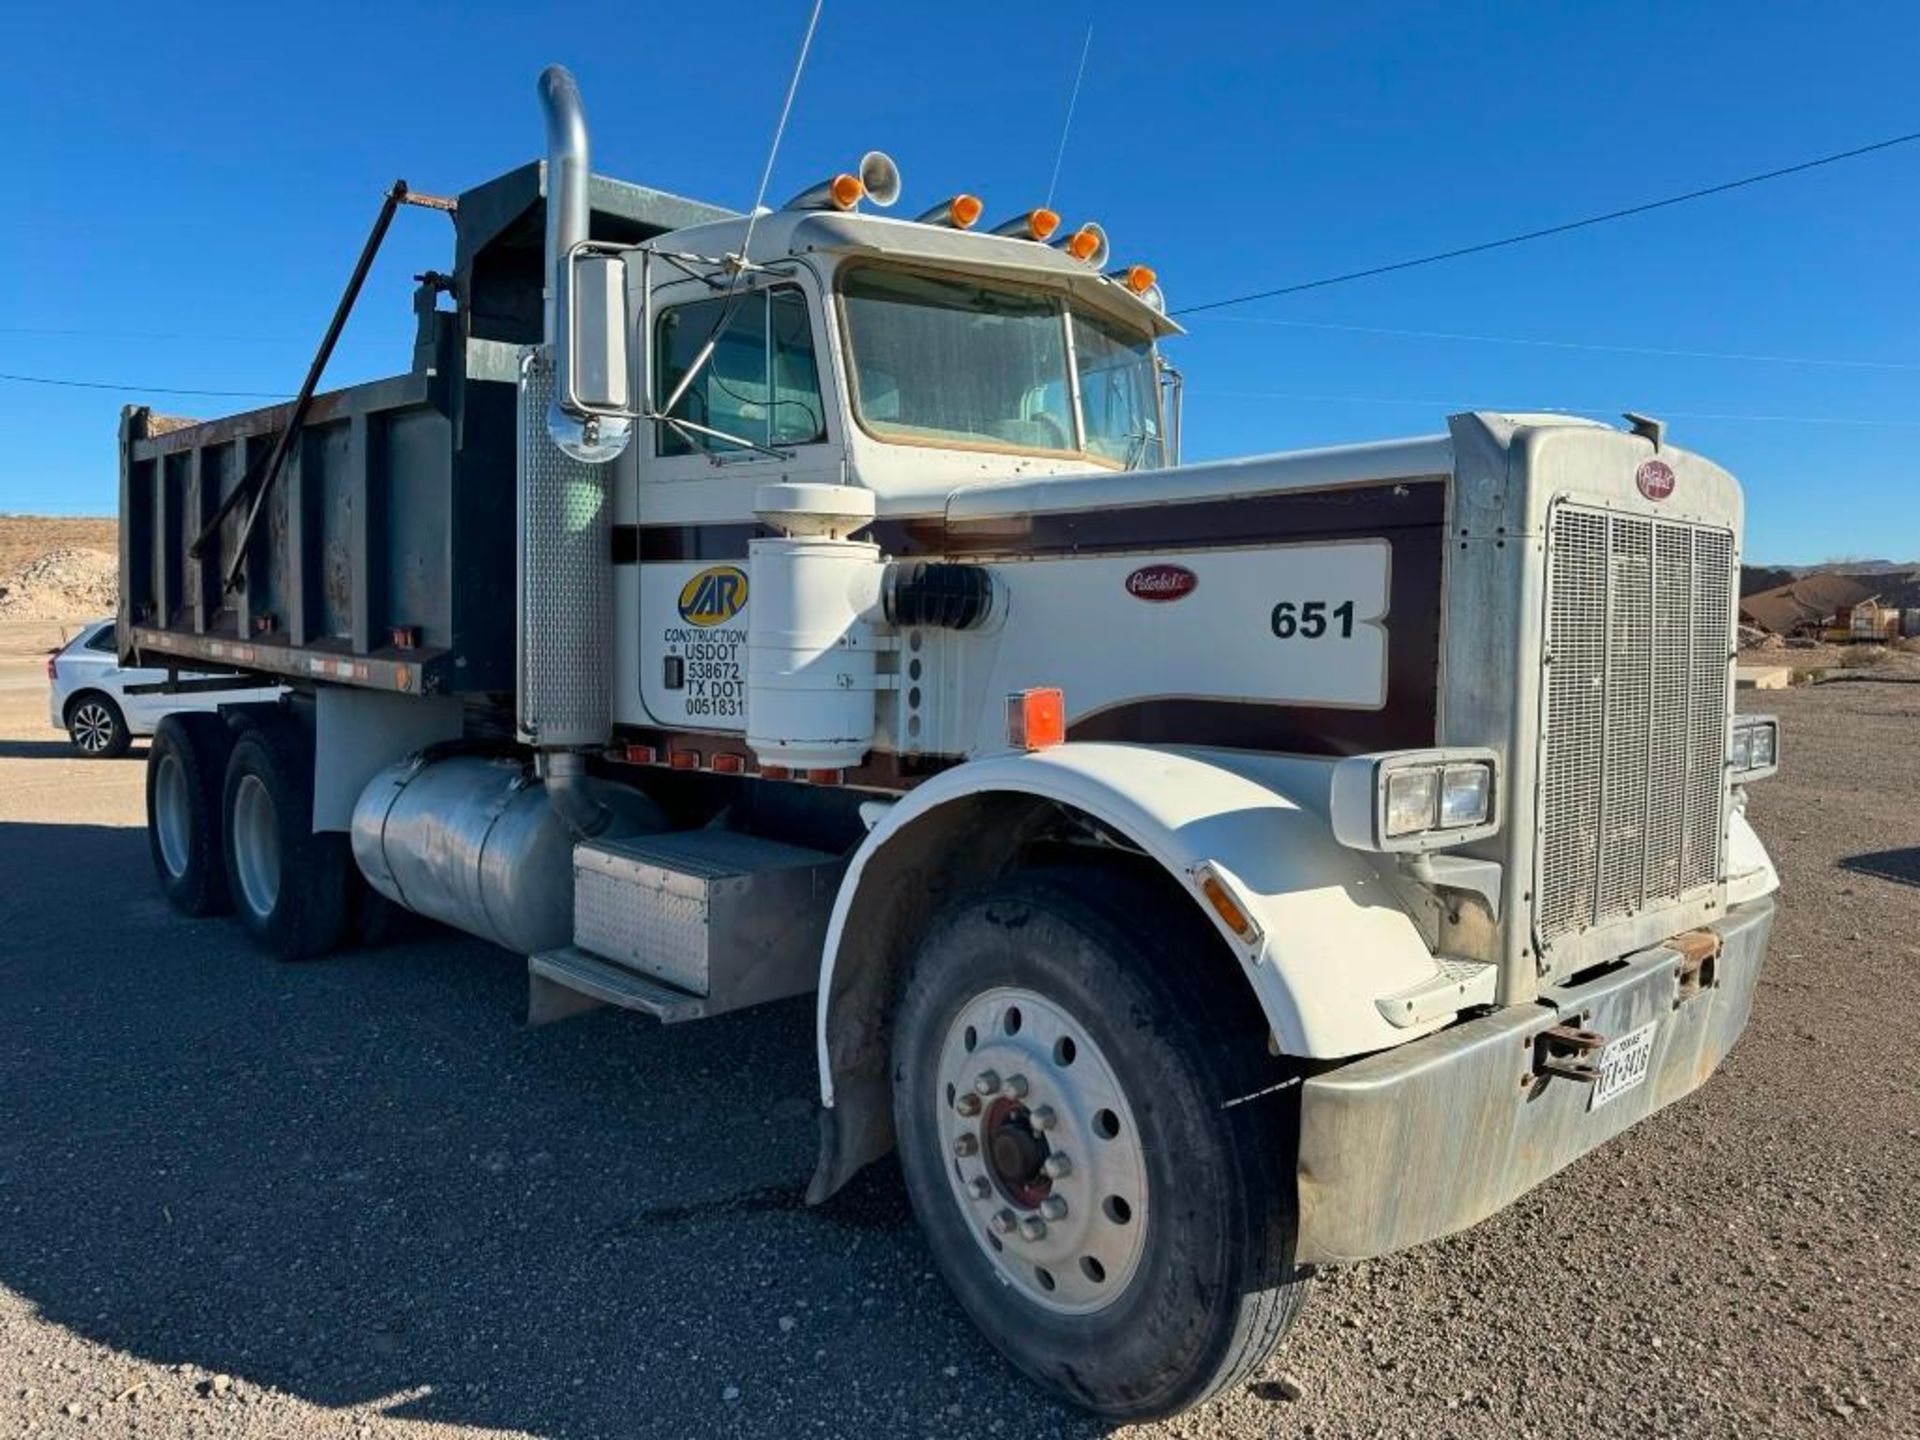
1639,635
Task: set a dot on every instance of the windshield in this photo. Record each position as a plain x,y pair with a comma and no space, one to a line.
972,364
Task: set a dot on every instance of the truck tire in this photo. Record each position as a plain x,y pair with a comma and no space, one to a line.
291,888
186,766
1061,1071
96,728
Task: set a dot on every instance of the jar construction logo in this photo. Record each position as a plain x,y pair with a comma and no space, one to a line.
714,596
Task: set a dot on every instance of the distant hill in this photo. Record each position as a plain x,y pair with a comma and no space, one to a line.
1875,575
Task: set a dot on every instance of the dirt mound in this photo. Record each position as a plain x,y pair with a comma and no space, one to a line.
61,584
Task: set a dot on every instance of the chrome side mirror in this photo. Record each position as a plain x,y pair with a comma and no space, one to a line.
593,394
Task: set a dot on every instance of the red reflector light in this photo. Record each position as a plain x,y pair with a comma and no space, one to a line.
823,777
1036,719
684,759
727,763
775,772
641,755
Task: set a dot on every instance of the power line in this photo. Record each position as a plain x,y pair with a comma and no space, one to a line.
153,335
1574,344
1561,229
140,389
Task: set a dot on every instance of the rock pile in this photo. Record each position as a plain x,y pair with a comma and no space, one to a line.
62,584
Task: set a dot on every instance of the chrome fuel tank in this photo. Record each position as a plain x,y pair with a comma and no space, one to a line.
472,841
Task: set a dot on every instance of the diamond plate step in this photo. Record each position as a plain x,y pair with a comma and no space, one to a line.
566,982
1459,984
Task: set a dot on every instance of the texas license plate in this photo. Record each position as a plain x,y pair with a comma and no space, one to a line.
1623,1064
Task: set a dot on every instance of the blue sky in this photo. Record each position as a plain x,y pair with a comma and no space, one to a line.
188,188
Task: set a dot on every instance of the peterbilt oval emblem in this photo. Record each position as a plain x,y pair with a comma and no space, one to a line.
1655,479
1161,582
714,596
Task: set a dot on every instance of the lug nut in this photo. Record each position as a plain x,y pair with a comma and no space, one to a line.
1056,1166
980,1187
988,1083
968,1105
1004,1222
966,1145
1033,1228
1041,1117
1054,1207
1017,1086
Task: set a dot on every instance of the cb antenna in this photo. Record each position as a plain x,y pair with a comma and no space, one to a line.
1072,100
780,129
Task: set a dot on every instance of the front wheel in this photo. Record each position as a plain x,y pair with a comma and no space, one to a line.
1063,1067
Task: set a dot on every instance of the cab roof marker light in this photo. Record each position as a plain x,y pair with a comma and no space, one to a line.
962,212
1088,244
878,180
1038,224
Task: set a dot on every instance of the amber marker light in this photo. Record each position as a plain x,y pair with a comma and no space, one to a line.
1137,278
1031,225
962,212
845,191
1084,243
1231,912
1036,719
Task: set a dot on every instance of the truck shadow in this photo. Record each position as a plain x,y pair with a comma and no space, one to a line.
57,750
362,1181
1900,866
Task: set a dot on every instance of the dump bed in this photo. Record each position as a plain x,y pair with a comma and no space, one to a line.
383,554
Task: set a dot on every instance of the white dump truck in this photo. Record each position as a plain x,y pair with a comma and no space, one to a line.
1205,871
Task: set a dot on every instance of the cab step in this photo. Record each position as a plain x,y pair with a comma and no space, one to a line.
565,983
689,924
1459,985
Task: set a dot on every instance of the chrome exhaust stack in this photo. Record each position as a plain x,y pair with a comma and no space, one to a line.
565,581
569,215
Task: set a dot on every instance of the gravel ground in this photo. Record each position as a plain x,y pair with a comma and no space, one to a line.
356,1197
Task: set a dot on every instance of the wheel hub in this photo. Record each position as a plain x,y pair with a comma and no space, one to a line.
1046,1164
1015,1154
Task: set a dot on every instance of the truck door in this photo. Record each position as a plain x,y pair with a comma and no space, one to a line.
768,383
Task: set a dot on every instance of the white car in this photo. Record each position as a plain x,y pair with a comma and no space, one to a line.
89,698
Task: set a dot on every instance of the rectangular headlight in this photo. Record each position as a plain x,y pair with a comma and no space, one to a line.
1410,794
1753,749
1415,799
1466,795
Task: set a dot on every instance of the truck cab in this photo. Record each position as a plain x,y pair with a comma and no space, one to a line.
1203,871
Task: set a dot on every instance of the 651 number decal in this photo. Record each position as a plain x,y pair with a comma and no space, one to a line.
1312,619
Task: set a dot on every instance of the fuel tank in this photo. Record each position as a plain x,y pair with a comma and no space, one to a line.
472,841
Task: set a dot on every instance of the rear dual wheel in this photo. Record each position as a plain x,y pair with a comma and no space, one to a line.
292,889
1063,1063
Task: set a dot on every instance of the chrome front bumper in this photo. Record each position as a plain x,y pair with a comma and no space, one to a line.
1414,1143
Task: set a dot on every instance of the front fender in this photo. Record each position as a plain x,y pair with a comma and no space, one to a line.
1334,939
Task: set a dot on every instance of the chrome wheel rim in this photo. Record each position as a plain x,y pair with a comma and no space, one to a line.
93,727
170,813
1043,1154
256,845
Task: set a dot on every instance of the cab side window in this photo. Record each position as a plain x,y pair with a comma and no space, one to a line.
761,384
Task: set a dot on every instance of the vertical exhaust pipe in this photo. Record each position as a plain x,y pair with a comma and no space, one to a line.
569,169
565,581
